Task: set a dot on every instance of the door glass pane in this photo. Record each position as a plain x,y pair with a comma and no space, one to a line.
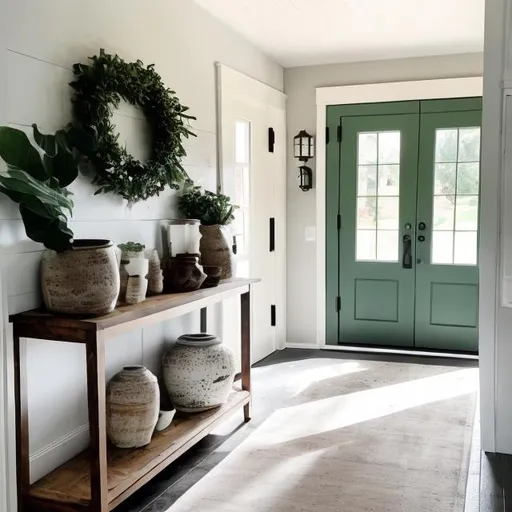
241,225
389,176
442,247
366,212
378,190
444,210
444,179
446,145
468,178
366,243
367,148
465,252
455,208
367,180
387,216
389,147
469,145
467,213
242,142
387,245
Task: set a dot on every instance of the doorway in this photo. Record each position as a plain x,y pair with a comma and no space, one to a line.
403,187
253,173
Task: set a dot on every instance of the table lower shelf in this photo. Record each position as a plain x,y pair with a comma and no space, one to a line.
68,487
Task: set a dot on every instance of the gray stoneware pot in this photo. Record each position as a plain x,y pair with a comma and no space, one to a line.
83,280
133,403
198,372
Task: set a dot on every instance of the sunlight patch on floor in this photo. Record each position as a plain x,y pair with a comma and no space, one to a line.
340,411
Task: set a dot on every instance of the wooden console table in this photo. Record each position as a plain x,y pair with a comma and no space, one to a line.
100,478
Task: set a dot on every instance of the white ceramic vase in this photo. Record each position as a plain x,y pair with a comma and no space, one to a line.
133,403
198,372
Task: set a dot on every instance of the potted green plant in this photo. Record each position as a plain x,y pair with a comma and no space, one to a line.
215,211
77,276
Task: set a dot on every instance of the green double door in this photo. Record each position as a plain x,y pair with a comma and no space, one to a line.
402,224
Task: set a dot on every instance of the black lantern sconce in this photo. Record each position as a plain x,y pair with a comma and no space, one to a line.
303,150
306,178
303,145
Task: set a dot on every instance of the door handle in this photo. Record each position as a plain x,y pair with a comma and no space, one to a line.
407,251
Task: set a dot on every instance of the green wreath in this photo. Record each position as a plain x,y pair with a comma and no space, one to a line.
98,88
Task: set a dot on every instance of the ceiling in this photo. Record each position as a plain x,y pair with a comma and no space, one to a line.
308,32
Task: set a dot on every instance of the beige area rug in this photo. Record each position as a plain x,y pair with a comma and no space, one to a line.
357,436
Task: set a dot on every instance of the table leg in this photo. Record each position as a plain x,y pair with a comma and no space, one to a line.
245,300
97,421
204,320
21,407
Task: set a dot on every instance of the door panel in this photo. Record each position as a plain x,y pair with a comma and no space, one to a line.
377,206
447,246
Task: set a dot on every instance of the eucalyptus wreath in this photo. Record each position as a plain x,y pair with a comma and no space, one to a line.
99,87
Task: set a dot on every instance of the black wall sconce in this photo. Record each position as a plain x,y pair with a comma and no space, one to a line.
303,150
306,178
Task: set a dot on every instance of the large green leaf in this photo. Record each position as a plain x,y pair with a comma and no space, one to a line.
46,142
62,166
53,233
19,181
17,151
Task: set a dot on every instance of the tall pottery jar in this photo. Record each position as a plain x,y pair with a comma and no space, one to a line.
83,280
216,249
198,372
133,403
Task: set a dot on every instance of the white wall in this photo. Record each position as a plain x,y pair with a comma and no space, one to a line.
300,85
495,321
43,41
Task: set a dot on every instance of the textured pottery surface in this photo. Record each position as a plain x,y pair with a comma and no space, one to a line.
82,281
216,249
133,402
136,289
184,274
198,372
155,275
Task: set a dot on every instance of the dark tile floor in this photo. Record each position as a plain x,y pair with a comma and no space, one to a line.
158,495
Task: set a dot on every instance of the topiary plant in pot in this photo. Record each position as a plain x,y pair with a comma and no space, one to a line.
215,212
78,276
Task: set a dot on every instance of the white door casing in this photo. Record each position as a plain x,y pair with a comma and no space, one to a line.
246,100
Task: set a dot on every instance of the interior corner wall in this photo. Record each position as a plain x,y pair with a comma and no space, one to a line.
300,87
44,40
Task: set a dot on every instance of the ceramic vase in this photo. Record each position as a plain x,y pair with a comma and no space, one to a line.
184,273
137,284
155,275
83,280
198,372
125,257
133,403
216,249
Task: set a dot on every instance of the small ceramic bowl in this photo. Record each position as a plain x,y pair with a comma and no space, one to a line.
164,419
213,275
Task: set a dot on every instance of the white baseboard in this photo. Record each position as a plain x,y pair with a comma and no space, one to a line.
308,346
411,352
59,451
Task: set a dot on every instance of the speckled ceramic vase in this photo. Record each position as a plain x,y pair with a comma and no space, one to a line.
133,403
83,280
198,372
216,249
